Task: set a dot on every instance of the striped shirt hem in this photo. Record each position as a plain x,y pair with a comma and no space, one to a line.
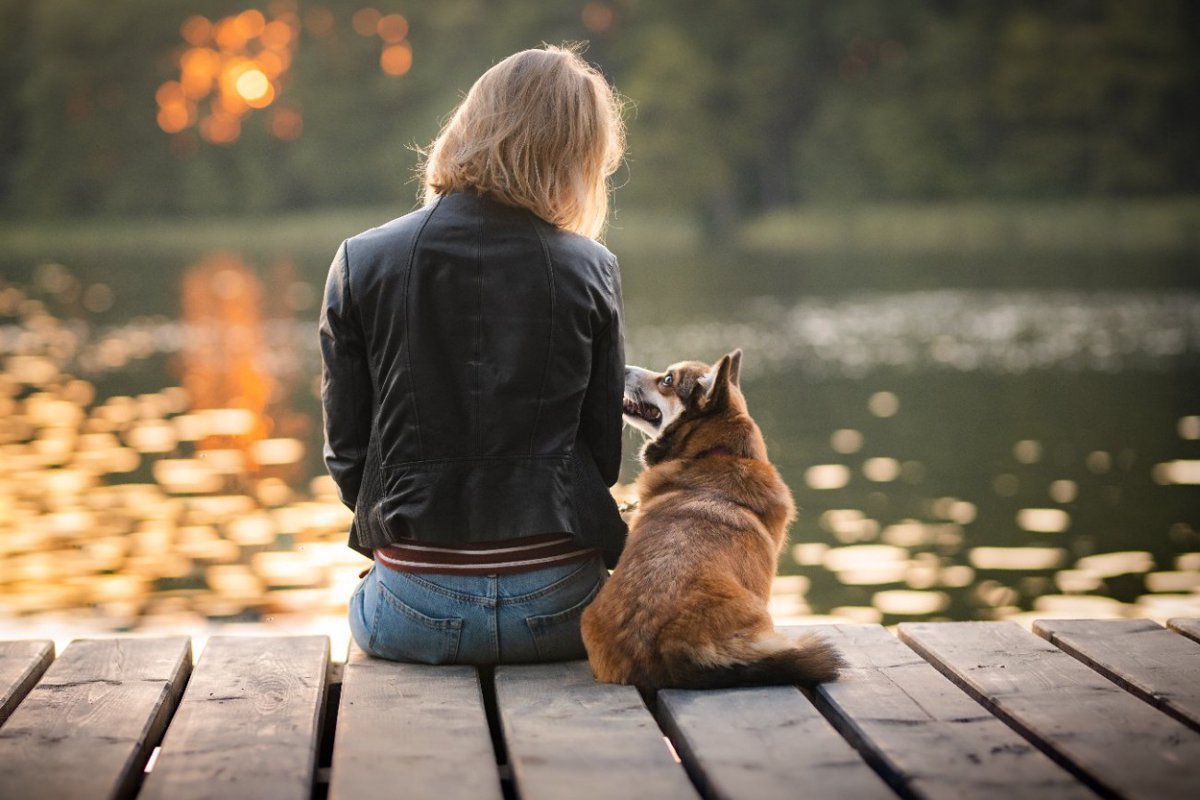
482,558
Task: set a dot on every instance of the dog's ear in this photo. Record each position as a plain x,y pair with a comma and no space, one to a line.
719,378
735,367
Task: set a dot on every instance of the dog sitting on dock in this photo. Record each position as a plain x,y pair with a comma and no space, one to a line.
686,606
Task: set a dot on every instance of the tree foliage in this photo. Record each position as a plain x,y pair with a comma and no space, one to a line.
736,107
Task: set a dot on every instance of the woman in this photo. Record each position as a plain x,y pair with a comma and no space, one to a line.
473,375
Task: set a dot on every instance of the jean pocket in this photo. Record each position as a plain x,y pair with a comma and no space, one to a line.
556,636
402,633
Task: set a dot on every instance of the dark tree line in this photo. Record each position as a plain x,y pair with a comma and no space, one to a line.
736,105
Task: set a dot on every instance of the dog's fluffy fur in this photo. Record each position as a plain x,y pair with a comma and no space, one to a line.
687,604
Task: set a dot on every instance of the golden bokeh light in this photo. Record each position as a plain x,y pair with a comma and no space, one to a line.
250,23
233,65
229,35
286,124
169,93
276,35
253,85
598,17
240,63
392,28
273,63
220,127
196,31
173,118
366,21
396,59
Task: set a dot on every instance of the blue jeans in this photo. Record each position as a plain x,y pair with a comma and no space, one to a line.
475,619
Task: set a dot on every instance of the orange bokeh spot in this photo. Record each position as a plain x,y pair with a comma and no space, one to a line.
250,23
220,128
230,103
287,124
200,60
396,59
392,28
263,100
252,85
272,63
197,84
173,118
229,34
276,35
365,21
170,92
598,17
196,30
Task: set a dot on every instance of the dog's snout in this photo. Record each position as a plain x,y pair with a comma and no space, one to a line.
636,375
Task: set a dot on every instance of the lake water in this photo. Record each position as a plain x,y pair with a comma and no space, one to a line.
966,436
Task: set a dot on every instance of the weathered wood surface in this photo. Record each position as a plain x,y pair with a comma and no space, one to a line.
1139,655
419,727
925,735
248,723
1188,626
763,743
1109,738
21,664
568,736
88,726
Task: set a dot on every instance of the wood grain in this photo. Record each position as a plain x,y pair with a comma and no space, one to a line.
21,664
248,723
1110,739
1188,626
763,743
570,737
88,726
415,726
923,734
1139,655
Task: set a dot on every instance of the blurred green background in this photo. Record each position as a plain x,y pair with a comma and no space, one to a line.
958,241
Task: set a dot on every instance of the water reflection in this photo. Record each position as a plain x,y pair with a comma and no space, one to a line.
961,330
127,502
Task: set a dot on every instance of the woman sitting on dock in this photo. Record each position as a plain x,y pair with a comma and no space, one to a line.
473,374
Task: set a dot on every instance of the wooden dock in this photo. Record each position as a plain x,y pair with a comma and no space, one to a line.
965,709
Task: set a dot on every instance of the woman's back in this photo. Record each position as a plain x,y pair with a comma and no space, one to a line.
488,340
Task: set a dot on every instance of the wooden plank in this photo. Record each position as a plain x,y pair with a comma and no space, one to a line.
763,743
412,725
1113,741
1139,655
88,727
21,664
1188,626
568,736
247,726
921,732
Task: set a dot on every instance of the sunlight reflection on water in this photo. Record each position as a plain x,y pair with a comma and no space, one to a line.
138,511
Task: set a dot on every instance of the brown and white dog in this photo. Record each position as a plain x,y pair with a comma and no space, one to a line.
687,604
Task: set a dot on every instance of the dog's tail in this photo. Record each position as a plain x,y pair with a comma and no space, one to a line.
770,660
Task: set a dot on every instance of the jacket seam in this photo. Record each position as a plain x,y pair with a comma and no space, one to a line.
478,332
412,384
537,416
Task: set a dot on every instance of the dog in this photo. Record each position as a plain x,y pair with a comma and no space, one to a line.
686,606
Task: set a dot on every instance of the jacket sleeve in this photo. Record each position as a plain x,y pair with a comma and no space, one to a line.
346,388
600,422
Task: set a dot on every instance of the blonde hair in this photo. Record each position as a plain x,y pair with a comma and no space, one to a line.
541,130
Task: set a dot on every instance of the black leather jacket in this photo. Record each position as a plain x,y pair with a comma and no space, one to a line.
472,378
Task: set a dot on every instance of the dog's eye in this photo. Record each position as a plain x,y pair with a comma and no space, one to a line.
667,380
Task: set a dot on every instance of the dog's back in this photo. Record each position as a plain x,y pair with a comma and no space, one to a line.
687,604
